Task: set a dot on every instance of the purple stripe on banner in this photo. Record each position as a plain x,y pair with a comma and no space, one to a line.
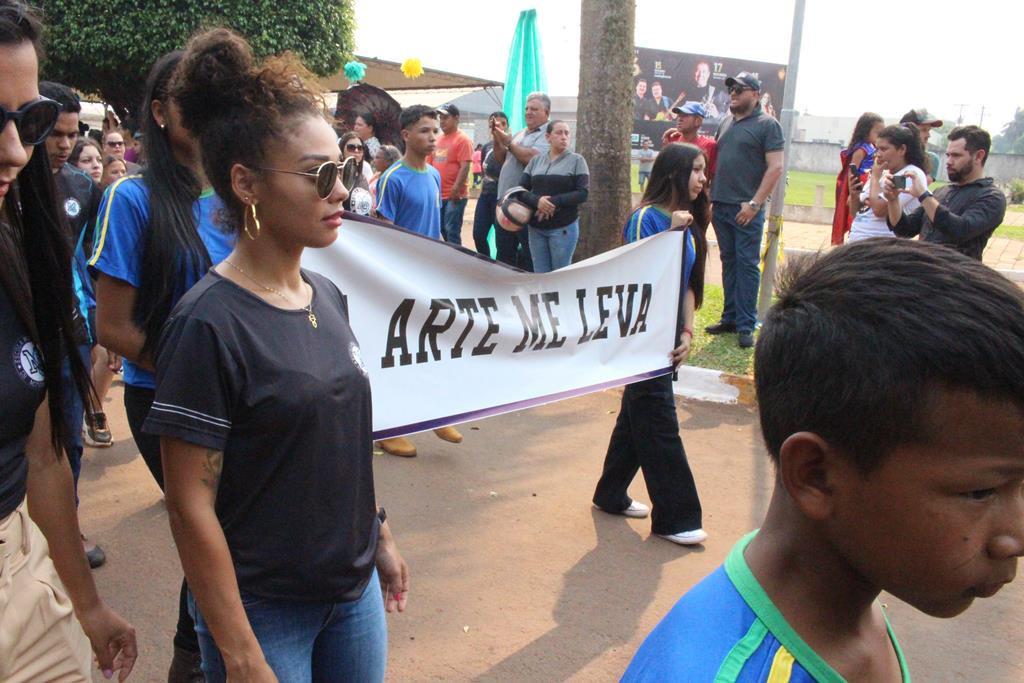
510,407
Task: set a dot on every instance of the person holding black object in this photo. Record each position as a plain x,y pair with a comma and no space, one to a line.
961,215
263,402
646,434
557,183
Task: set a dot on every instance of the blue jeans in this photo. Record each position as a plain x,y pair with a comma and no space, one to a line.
552,249
740,248
451,219
310,641
483,219
74,412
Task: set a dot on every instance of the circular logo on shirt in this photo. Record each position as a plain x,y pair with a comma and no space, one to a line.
361,201
28,362
357,358
72,208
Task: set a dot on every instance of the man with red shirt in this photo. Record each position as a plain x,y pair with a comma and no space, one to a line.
689,118
452,158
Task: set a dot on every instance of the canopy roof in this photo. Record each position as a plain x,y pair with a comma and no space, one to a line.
388,76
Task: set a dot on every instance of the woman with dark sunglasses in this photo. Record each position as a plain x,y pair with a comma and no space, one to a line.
263,403
48,601
156,237
356,174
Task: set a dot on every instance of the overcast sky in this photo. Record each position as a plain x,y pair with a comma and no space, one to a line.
886,57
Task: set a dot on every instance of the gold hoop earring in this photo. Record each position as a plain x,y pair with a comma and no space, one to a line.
255,221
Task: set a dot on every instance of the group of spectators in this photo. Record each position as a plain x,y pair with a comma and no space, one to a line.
258,430
744,161
883,187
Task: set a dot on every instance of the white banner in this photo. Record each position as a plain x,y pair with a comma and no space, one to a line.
449,336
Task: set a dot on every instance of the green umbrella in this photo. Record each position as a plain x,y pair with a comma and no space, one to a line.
525,69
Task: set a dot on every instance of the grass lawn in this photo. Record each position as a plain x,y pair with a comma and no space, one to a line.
802,186
717,352
1011,232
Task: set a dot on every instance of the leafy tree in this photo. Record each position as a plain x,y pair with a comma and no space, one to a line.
106,47
1011,140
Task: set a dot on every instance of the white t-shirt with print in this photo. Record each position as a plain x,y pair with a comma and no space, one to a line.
866,224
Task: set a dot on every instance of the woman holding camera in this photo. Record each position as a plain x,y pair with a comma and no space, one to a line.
898,153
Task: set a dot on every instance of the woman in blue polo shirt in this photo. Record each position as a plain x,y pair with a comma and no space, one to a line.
646,433
156,237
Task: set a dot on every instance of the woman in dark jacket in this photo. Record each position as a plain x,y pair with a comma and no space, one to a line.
557,183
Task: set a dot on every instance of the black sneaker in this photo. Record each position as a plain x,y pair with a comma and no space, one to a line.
97,432
721,327
746,340
95,555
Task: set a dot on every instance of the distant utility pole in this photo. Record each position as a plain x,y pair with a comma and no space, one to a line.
960,118
981,120
774,232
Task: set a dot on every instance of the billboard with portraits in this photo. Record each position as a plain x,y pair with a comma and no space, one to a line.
663,79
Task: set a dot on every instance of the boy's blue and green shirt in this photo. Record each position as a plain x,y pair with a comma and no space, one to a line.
725,630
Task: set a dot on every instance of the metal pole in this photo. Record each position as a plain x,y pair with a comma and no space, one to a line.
789,114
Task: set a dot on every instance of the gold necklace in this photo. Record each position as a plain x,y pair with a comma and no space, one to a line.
308,308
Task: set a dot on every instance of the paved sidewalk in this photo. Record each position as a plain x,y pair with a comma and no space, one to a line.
1001,253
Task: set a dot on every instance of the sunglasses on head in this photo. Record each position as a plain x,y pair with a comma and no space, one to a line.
326,175
34,121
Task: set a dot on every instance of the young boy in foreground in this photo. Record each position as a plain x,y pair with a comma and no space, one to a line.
890,384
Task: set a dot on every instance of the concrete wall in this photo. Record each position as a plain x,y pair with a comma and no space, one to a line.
821,157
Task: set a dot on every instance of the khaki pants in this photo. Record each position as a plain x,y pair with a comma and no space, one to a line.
40,637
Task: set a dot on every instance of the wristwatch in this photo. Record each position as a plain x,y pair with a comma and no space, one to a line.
753,205
924,195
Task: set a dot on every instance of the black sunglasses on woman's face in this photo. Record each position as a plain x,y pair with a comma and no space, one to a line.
34,121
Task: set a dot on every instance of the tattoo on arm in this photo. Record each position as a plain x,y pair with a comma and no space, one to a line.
213,463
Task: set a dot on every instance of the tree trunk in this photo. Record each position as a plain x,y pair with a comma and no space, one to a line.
605,120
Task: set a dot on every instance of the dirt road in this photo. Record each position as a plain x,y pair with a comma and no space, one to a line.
514,576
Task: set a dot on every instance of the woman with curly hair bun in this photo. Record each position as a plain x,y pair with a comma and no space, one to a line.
263,403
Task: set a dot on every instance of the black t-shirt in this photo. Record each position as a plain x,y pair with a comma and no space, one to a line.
79,197
492,169
289,406
22,388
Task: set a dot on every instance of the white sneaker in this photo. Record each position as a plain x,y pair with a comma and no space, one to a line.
686,537
635,510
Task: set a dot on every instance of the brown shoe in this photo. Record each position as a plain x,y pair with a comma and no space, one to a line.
399,446
450,434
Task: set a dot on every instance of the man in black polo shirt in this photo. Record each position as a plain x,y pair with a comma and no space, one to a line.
79,198
749,163
963,214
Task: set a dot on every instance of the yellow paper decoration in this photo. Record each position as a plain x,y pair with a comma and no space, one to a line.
412,68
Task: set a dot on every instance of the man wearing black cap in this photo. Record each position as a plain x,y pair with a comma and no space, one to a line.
452,158
750,145
689,119
961,215
924,122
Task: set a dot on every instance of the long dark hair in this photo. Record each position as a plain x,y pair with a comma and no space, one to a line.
35,255
669,186
173,250
905,135
863,128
